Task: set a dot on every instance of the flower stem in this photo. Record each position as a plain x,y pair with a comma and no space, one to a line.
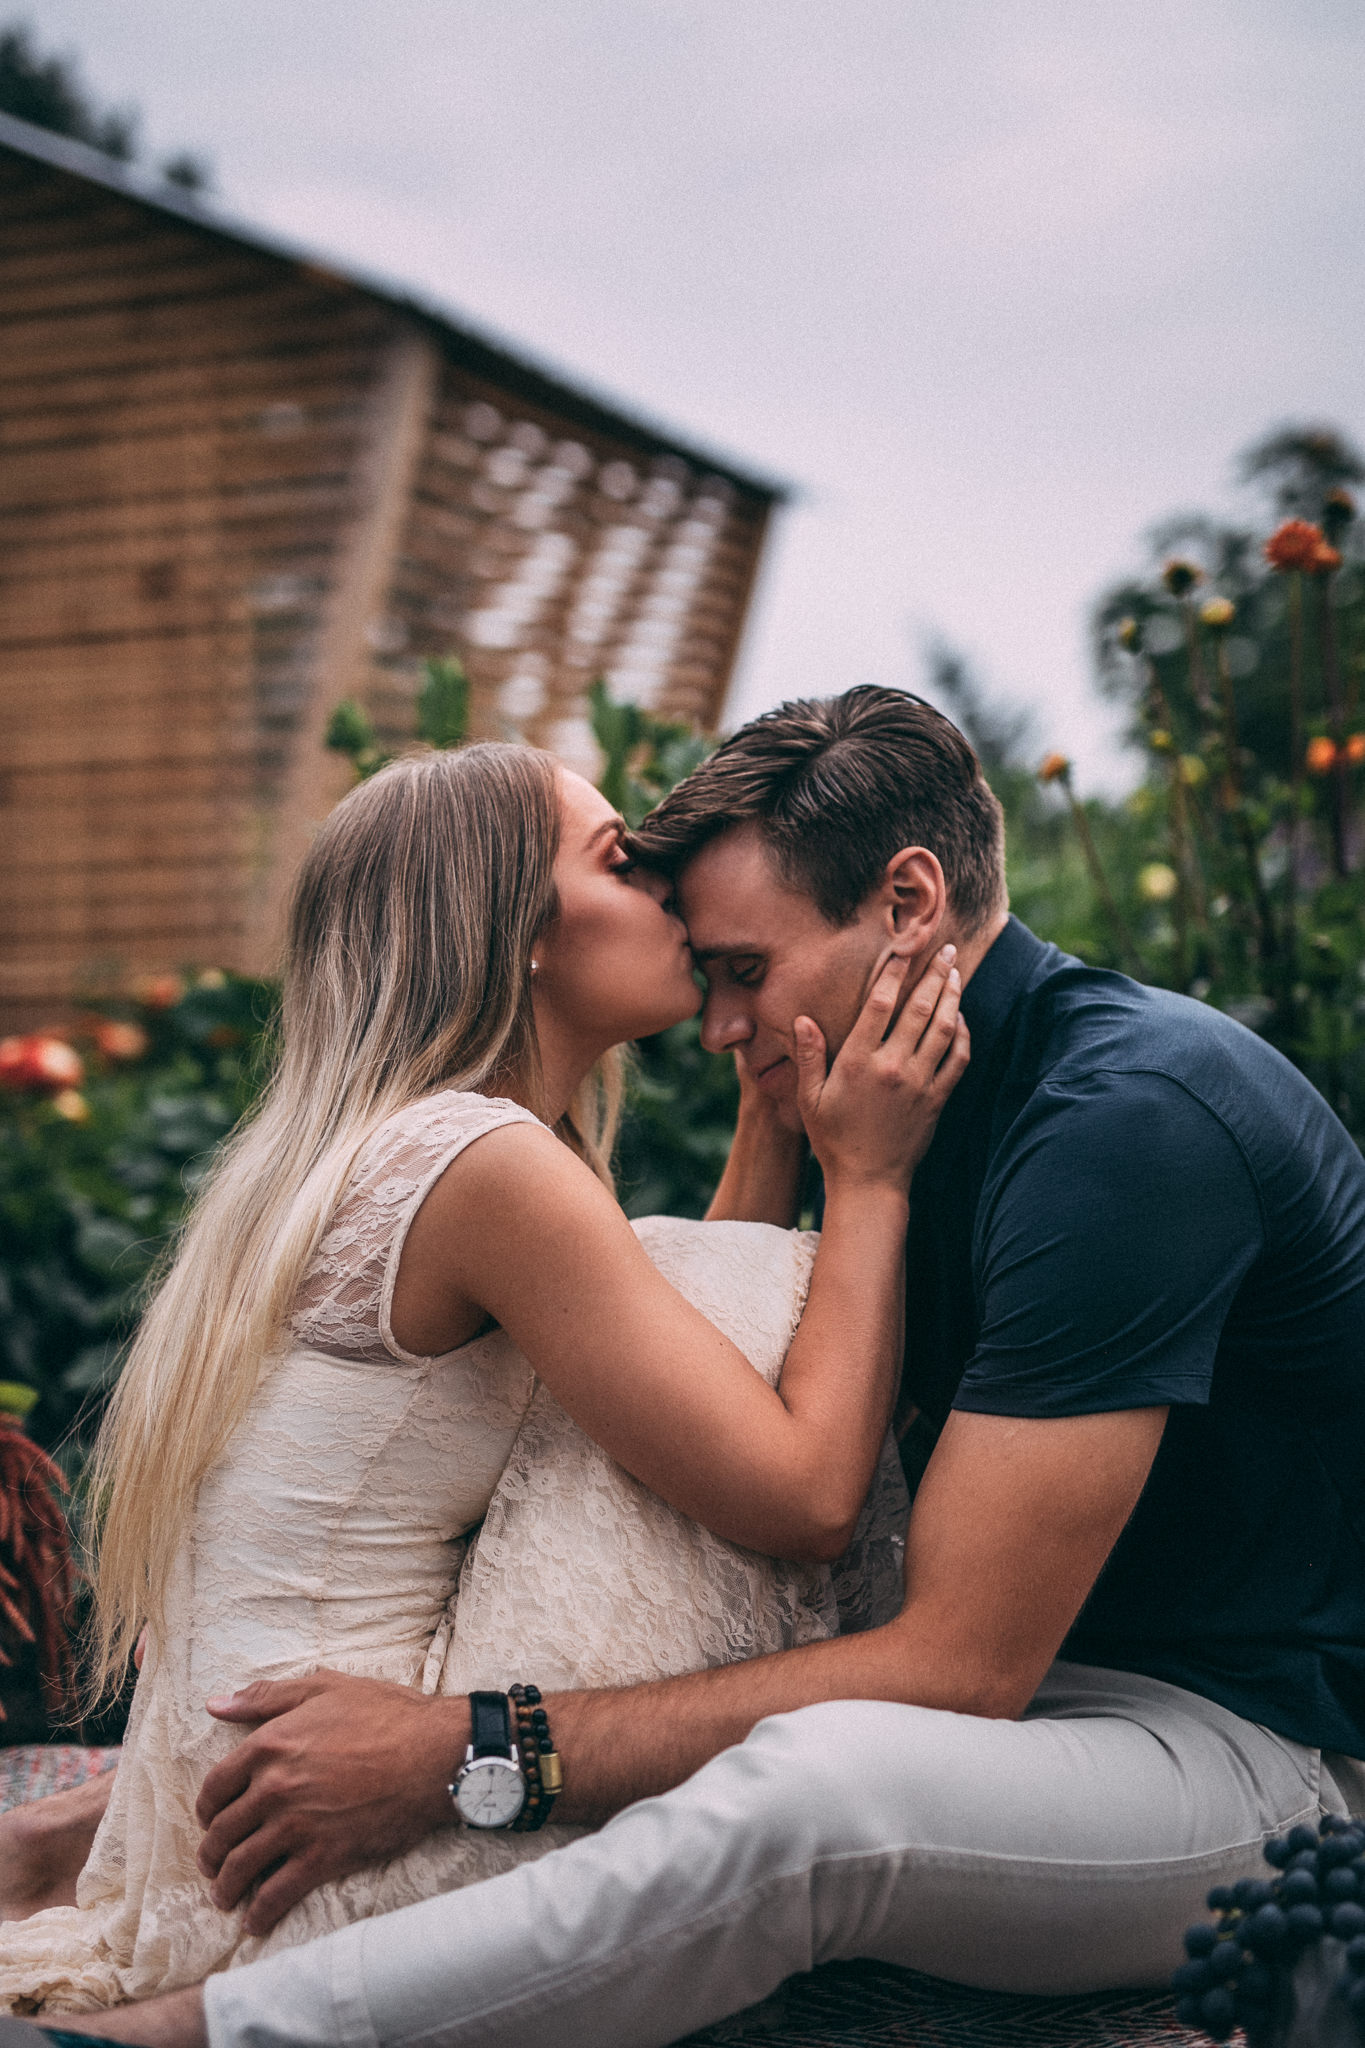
1267,936
1128,952
1296,752
1336,718
1199,683
1190,897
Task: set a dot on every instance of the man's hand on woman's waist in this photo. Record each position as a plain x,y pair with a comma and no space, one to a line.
339,1773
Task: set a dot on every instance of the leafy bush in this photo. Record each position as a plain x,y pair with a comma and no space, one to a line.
1239,872
96,1165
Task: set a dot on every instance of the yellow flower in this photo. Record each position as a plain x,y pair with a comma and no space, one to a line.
1054,768
1218,613
72,1105
1161,739
1157,882
1193,770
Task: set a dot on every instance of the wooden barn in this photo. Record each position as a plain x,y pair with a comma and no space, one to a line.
237,486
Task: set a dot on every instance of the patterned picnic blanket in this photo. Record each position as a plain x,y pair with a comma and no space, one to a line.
33,1772
842,2005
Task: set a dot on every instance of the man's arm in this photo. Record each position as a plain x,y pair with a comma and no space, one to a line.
1011,1525
764,1168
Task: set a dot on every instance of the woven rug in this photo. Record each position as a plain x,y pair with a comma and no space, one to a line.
48,1767
872,2005
843,2005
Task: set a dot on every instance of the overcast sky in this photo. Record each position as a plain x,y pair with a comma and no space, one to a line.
995,285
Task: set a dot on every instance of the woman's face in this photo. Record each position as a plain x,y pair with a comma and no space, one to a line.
614,964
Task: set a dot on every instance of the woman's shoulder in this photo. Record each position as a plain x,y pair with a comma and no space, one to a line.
411,1148
434,1123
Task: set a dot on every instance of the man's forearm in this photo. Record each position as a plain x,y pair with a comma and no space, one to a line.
763,1173
621,1746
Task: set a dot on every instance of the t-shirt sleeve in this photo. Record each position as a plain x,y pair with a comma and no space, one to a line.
1112,1239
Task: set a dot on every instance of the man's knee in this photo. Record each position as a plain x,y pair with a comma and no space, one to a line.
814,1781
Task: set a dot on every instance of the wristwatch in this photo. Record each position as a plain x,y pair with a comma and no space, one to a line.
489,1789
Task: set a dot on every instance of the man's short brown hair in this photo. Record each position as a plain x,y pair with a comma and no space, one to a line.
837,786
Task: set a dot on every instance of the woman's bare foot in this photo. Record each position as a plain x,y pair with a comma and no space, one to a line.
43,1847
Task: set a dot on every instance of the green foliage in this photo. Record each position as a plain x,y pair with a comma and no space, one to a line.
442,718
93,1183
443,703
679,1120
350,732
644,756
1239,867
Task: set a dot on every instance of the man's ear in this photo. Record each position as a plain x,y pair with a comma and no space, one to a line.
914,900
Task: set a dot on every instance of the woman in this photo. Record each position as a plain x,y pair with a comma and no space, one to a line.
407,1307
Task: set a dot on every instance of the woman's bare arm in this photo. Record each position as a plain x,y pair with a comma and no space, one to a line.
526,1232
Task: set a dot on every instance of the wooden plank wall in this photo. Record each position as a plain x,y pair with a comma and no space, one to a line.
179,419
546,552
235,488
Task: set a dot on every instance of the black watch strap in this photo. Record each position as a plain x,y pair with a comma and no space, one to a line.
490,1724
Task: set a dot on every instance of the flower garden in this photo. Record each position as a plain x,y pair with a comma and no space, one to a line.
1234,872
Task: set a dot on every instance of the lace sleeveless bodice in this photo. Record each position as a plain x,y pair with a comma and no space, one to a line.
436,1521
346,1297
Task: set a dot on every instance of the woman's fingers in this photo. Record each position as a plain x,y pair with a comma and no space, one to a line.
938,1031
955,1061
940,983
872,1021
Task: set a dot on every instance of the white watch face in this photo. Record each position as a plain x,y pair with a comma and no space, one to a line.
490,1793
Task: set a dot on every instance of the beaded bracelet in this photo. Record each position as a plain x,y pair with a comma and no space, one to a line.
539,1758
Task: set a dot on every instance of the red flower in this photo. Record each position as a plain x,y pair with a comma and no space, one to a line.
159,991
1295,545
1321,756
119,1041
1354,749
39,1061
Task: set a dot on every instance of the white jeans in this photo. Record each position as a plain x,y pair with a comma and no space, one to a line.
1063,1852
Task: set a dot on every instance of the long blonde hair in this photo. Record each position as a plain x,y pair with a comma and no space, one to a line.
407,969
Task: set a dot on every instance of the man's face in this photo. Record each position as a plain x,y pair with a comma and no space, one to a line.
769,957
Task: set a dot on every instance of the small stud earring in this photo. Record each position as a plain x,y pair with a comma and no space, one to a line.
535,967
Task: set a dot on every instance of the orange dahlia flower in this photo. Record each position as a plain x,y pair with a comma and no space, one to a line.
1295,545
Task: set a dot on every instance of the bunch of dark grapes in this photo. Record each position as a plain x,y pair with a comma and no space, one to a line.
1239,1972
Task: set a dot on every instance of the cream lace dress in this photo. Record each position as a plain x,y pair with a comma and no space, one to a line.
437,1521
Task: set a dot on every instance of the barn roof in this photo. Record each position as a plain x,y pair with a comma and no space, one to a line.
478,348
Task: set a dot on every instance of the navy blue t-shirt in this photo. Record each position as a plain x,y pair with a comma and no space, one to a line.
1132,1201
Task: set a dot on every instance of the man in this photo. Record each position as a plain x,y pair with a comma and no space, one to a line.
1133,1639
